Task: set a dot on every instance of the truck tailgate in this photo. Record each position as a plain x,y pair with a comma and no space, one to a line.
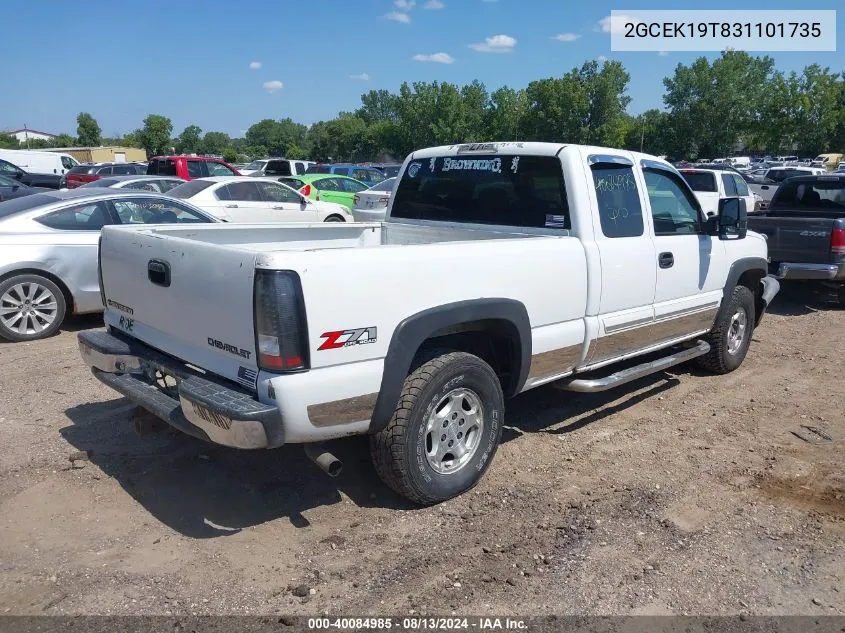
795,239
190,298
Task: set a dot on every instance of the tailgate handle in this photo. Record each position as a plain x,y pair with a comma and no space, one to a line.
158,272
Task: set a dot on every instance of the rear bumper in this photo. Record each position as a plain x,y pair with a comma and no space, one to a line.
820,272
205,408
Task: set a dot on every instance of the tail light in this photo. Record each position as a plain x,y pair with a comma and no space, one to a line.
837,242
305,191
281,333
384,201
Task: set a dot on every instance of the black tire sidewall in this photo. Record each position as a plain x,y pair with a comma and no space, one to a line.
741,297
61,307
479,378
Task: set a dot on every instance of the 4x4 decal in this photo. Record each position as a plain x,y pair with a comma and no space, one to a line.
348,338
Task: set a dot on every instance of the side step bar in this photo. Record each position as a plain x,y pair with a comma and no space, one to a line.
593,385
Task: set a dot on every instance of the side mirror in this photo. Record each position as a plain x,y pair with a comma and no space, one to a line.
18,175
732,222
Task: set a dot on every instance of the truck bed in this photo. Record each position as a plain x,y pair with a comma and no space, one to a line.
304,237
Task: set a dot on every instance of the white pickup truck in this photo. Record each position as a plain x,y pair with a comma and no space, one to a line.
500,267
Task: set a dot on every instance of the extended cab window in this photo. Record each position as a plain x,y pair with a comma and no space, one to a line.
704,181
674,209
730,184
741,185
620,212
196,168
521,191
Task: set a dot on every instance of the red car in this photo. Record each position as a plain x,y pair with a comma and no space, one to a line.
189,167
83,174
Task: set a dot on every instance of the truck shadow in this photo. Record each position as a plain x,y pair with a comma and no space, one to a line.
797,299
204,491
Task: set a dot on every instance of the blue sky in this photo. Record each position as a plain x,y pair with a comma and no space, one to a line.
190,60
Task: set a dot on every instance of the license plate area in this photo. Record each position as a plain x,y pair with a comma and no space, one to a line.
162,378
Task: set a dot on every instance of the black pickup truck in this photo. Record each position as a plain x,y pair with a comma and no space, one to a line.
805,229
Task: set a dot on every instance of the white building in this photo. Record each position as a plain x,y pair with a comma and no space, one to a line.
24,134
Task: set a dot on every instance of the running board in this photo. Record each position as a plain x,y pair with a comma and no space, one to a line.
592,385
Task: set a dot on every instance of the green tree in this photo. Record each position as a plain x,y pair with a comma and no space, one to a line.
39,143
714,106
377,106
506,115
189,140
651,133
276,136
63,140
7,141
214,143
230,155
155,135
88,130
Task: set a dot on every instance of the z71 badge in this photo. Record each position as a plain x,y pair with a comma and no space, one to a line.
348,338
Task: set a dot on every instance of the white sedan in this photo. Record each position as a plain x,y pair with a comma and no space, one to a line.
256,200
371,204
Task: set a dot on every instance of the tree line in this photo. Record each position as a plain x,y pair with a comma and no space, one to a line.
711,109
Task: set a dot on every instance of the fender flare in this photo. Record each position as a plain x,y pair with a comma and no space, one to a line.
738,268
413,331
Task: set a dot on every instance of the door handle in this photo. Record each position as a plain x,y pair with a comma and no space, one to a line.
666,260
280,208
231,206
158,272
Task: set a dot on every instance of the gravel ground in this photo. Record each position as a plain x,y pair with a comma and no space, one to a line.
684,493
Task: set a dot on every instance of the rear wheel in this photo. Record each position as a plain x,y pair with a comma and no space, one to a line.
445,430
31,307
334,218
731,337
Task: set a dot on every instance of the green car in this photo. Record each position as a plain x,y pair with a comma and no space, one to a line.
328,187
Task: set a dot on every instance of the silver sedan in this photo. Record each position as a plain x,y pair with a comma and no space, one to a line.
48,251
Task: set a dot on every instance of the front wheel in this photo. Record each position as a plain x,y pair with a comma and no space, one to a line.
445,430
31,307
730,338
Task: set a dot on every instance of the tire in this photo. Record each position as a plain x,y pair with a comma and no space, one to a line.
27,324
730,337
334,218
404,453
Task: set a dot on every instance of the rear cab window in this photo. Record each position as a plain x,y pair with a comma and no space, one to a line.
498,189
197,168
704,181
821,194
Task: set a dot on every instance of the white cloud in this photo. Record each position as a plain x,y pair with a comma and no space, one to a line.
495,44
360,77
615,24
663,53
254,65
434,4
397,16
567,37
439,58
405,5
601,58
273,86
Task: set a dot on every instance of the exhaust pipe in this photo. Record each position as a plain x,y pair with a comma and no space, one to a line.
145,423
327,462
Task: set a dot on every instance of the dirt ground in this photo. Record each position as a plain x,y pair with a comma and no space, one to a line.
685,493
